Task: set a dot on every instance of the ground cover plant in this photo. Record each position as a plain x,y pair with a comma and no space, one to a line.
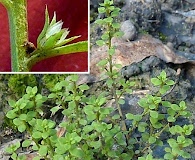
92,130
52,41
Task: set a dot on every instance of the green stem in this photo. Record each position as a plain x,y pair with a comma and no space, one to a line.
39,55
17,14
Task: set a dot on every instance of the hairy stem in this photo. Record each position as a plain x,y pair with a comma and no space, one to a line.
18,32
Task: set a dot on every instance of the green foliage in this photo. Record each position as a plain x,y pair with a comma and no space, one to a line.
49,80
18,83
93,130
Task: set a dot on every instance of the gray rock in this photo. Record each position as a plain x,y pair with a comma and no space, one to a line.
146,15
129,30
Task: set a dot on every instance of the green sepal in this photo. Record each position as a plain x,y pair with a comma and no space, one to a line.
52,40
42,34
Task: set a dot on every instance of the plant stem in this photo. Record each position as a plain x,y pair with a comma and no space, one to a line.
39,55
18,32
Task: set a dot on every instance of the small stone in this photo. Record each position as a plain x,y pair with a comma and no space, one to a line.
129,30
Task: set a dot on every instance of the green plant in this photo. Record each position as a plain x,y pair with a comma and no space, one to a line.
51,42
92,130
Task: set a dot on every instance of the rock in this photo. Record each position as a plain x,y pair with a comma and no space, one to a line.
129,30
135,51
145,14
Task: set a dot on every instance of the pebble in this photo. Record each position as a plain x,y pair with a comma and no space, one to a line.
129,30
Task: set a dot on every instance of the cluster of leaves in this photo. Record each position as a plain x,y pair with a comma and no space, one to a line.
92,130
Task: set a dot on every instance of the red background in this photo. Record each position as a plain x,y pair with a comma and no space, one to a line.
74,14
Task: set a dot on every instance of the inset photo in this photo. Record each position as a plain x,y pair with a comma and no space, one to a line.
44,36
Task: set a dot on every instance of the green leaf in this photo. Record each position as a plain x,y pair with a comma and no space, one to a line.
35,147
167,149
83,87
152,139
77,152
130,116
143,103
26,143
118,34
14,156
115,13
34,90
17,121
55,109
82,122
99,21
145,136
108,20
171,119
137,117
156,81
180,139
43,150
175,107
121,101
52,95
166,103
88,128
171,112
95,144
168,156
45,135
142,126
182,104
22,128
164,89
105,37
11,114
186,155
11,103
37,135
116,116
101,10
102,62
37,158
105,111
100,43
170,82
188,129
74,78
23,117
152,106
154,114
116,25
163,74
111,51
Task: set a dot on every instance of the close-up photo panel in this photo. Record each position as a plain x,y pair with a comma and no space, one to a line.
97,80
44,36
